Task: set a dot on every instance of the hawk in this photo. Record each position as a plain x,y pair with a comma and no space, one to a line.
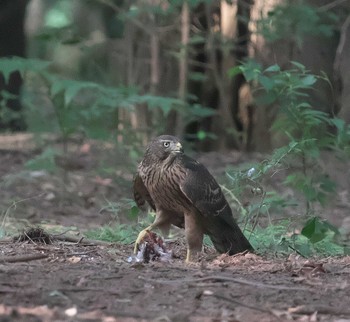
183,193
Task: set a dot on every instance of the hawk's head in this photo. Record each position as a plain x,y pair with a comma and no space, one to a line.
163,146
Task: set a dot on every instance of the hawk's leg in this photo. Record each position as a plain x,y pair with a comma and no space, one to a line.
194,236
162,222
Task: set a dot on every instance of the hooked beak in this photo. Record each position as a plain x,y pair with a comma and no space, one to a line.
177,148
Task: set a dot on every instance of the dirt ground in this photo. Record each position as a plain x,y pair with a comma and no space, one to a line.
81,280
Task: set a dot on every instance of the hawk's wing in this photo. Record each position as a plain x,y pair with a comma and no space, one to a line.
204,193
202,190
141,194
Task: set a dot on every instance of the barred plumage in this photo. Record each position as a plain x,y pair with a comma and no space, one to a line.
184,193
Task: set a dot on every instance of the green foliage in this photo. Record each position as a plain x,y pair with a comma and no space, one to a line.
124,207
44,161
308,132
316,230
88,107
275,234
295,21
124,210
123,233
279,239
22,65
306,127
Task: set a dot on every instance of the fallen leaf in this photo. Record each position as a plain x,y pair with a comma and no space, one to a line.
74,259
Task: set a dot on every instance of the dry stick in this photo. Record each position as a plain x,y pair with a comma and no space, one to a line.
229,279
63,233
33,242
22,258
82,240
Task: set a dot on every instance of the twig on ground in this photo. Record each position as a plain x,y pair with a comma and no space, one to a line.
81,253
63,233
22,258
32,241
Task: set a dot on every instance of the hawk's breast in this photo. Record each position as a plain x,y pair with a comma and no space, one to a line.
163,184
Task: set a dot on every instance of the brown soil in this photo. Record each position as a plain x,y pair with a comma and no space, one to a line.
56,279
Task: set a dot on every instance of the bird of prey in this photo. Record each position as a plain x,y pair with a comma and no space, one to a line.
183,193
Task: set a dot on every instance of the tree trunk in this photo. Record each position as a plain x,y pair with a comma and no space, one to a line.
174,122
12,43
342,72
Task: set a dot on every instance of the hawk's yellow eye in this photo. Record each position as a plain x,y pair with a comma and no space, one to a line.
166,144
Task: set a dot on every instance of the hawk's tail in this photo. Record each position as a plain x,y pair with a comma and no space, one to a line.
228,238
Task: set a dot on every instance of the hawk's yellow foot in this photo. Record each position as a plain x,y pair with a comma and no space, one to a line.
141,236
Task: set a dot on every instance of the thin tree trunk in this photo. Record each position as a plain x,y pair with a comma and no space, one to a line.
175,122
224,121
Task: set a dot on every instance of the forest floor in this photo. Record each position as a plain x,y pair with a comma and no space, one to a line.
60,279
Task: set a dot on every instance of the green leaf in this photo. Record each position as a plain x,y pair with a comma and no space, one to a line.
267,98
11,65
73,88
298,65
304,249
316,230
56,88
273,68
232,72
267,82
201,111
308,80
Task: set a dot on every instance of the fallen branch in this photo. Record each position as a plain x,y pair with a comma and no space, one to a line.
22,258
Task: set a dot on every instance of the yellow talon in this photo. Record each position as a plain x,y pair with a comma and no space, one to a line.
141,236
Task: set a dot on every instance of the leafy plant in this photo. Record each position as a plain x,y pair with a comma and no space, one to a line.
278,238
307,128
88,109
308,132
316,230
